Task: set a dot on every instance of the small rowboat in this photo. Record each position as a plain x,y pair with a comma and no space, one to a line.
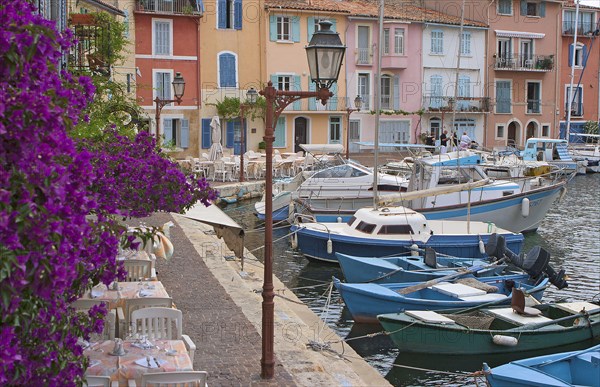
575,368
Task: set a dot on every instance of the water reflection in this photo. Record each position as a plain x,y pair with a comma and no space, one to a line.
570,232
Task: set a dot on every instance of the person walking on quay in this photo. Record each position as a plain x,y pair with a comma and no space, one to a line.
465,141
443,141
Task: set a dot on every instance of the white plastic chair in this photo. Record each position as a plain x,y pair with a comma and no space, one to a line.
131,305
162,323
98,381
180,378
198,170
110,320
220,170
205,156
137,269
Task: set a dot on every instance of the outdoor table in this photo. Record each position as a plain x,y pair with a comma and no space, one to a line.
288,154
230,167
254,167
133,254
126,291
171,355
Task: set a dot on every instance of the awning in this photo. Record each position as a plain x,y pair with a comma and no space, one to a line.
225,227
519,34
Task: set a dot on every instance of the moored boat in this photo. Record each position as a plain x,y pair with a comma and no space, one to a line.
493,330
574,368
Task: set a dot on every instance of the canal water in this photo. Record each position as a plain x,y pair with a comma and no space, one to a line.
570,232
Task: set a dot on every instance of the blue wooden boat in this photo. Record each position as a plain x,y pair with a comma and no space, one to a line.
575,368
366,301
409,268
391,231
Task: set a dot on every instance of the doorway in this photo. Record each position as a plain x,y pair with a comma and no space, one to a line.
513,134
300,133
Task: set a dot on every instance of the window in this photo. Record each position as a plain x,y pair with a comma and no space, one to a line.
394,131
527,53
545,130
284,82
503,97
386,92
399,41
363,45
162,84
576,101
533,8
505,7
534,103
284,28
585,24
464,91
386,41
364,88
280,130
227,70
436,95
435,124
465,45
335,130
365,227
437,42
177,132
579,54
229,14
500,131
396,229
162,37
504,54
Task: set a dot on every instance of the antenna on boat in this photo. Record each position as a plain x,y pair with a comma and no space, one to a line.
571,94
377,108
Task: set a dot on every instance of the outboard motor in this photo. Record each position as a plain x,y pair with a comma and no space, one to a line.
535,263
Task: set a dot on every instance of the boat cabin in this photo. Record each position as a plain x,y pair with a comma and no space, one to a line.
546,149
389,221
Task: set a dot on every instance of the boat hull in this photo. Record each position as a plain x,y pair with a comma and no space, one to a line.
452,339
366,301
313,245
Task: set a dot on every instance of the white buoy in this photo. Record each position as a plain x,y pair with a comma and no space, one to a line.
507,341
329,246
294,241
413,250
339,219
525,207
481,247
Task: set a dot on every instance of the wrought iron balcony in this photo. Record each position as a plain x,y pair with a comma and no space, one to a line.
171,7
432,103
583,28
524,62
534,106
364,56
92,51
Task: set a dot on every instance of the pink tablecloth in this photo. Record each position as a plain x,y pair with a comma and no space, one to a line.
172,356
127,291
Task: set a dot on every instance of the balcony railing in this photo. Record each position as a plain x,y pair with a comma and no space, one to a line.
180,7
363,56
520,62
432,103
92,51
583,28
533,106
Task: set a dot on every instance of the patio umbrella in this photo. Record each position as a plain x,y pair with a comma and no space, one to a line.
216,149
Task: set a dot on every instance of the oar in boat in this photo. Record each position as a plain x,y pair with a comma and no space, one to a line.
459,273
546,323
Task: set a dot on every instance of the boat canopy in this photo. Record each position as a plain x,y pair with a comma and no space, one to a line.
463,158
395,145
322,148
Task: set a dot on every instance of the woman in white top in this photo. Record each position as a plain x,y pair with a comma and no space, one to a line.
465,141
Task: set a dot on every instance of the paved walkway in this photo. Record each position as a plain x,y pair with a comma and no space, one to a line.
222,314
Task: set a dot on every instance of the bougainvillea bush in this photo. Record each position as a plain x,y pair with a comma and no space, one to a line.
59,200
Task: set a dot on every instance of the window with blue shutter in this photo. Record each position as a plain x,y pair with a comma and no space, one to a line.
227,70
311,27
162,85
205,143
312,101
272,28
543,9
237,11
523,8
437,42
229,135
162,38
184,141
222,10
396,92
436,96
584,55
279,133
333,101
503,97
295,28
464,90
168,131
297,87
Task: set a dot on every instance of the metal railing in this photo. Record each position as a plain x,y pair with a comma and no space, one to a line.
184,7
583,28
92,52
434,103
524,62
363,56
534,106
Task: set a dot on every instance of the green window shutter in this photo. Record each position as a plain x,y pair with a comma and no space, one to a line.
333,25
295,28
297,87
523,7
279,133
185,133
543,9
333,101
310,27
206,133
273,28
274,79
168,129
312,101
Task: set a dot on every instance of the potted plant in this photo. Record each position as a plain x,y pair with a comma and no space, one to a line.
262,146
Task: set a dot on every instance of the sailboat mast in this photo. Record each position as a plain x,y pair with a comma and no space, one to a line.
571,93
460,42
377,108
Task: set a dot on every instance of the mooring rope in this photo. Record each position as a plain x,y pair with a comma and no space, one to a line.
276,240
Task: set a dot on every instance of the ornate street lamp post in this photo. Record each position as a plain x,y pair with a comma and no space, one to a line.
324,53
178,90
358,104
251,96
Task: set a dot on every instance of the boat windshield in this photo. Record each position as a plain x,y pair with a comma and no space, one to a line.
352,219
339,172
365,227
396,229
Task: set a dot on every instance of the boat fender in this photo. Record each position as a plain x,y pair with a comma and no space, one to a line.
525,207
339,219
414,250
294,241
507,341
481,247
329,246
